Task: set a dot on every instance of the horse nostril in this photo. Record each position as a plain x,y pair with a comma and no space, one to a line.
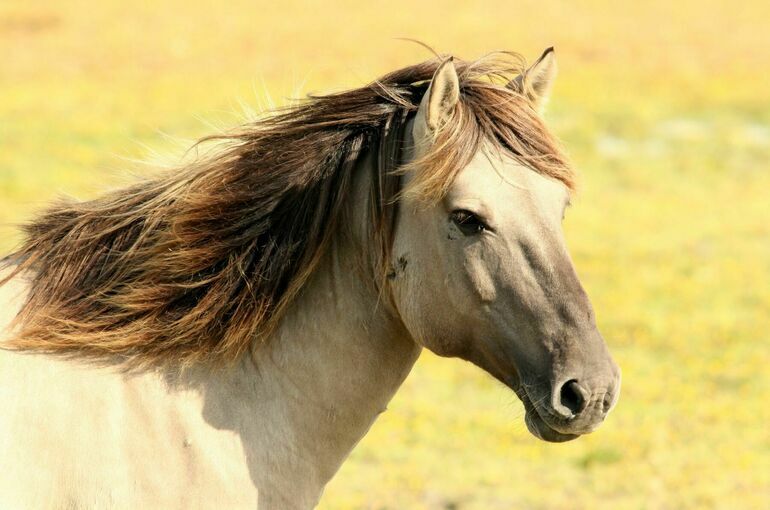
606,403
572,396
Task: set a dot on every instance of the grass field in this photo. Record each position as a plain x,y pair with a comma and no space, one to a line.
664,109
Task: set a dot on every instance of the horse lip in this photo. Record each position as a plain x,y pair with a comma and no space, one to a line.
537,425
541,430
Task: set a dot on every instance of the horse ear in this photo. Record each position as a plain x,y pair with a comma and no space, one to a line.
439,101
536,82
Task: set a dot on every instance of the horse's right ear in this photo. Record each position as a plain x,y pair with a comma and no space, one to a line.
438,103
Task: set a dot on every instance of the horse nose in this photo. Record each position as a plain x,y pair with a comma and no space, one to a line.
570,399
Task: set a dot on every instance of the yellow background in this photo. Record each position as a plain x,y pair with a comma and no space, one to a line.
664,107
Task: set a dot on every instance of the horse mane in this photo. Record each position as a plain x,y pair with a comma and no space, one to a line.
200,263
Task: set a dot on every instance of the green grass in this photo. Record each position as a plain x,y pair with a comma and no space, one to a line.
663,109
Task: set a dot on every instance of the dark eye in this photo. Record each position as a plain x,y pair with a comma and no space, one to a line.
468,223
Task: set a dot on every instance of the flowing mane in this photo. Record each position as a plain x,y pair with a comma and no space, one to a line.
201,263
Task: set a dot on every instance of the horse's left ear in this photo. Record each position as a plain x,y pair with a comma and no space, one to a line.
439,101
536,82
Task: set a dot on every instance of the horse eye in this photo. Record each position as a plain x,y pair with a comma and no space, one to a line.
468,223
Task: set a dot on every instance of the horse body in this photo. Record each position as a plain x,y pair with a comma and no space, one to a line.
267,432
83,437
225,338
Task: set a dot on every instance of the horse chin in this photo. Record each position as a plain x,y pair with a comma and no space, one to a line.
540,429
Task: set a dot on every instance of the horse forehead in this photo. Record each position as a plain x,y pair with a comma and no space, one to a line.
503,180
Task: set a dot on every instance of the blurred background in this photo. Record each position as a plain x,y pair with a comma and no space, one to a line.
665,109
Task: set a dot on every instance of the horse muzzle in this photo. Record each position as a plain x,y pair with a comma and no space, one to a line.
570,409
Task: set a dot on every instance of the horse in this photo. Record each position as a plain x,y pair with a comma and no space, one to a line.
223,334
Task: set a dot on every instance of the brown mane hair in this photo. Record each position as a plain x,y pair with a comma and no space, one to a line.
200,263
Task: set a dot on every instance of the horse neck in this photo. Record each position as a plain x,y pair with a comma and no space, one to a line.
328,371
